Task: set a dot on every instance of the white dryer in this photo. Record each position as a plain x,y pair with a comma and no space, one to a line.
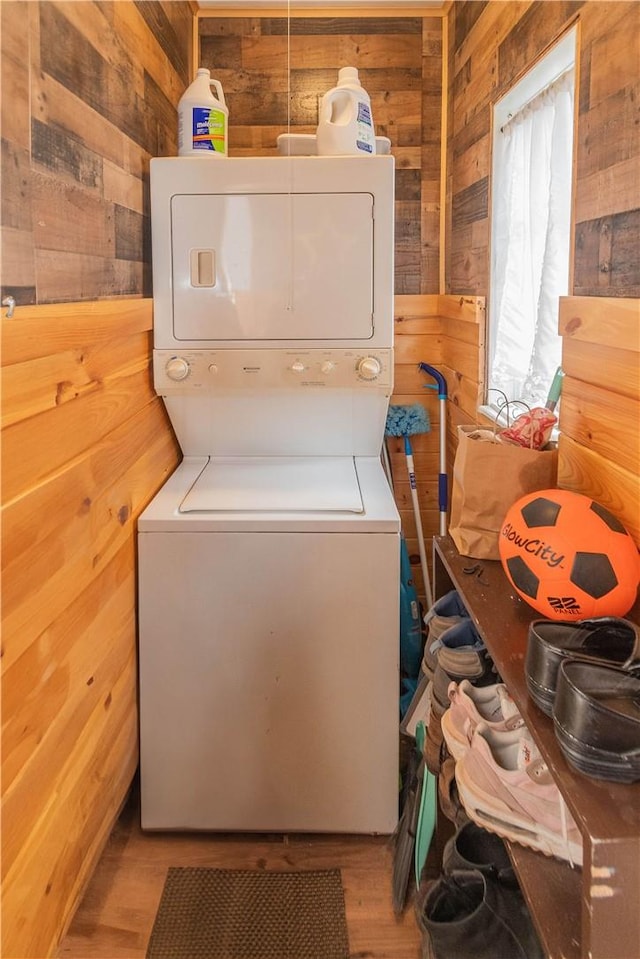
269,561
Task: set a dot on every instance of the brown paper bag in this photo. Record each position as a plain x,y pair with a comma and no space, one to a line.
488,477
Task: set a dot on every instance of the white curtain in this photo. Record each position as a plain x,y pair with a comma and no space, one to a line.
532,217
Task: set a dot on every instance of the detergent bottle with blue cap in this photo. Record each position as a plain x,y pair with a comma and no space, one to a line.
203,118
345,125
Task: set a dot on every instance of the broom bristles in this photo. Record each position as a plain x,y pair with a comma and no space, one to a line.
407,420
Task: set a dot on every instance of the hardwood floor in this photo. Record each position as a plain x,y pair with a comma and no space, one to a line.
115,918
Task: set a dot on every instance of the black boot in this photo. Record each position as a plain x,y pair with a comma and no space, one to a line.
467,915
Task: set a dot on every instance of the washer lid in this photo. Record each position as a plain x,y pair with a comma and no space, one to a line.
276,484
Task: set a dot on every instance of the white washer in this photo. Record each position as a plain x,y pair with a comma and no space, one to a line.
269,561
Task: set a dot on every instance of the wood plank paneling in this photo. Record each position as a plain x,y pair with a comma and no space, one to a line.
272,83
446,332
85,84
599,449
490,45
85,445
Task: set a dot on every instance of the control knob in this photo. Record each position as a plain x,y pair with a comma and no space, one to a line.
177,368
297,367
369,368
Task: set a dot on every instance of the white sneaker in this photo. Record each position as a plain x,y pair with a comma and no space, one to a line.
470,705
506,787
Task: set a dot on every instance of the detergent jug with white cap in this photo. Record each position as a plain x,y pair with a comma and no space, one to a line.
345,126
203,118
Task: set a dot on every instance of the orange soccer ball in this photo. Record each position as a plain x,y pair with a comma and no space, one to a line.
568,556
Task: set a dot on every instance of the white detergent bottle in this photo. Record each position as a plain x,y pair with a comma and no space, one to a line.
345,126
203,118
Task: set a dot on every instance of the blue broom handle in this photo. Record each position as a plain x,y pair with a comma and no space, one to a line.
443,493
438,377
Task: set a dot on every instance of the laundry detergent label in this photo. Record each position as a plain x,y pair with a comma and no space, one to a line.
365,136
364,113
209,130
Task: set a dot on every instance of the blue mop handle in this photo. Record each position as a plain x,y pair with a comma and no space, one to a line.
443,492
438,377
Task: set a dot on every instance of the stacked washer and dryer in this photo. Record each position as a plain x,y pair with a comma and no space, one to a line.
269,561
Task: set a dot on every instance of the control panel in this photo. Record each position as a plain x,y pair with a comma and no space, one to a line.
210,371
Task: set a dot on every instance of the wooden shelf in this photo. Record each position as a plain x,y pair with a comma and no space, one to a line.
590,912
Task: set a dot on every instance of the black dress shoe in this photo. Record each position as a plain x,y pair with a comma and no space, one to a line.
607,640
596,716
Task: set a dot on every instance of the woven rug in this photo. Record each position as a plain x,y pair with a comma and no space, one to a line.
245,914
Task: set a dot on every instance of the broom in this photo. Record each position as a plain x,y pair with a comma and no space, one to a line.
406,421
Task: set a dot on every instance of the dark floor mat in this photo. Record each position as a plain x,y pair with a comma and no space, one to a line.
245,914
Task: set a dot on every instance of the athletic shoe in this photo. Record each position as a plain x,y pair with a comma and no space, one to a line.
506,787
446,612
463,655
470,705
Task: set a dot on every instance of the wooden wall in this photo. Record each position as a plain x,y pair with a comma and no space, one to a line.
85,444
88,96
490,45
446,332
400,65
599,453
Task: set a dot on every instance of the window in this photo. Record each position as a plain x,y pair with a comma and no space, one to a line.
530,229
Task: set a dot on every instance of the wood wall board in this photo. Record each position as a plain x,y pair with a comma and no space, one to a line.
67,498
58,107
123,188
399,61
43,581
409,380
421,443
70,732
66,843
44,330
408,307
62,275
35,448
584,471
100,84
470,309
614,189
464,393
47,382
92,226
613,369
536,30
606,255
464,332
80,684
605,421
18,264
427,488
605,137
14,73
606,133
36,694
16,188
174,43
611,321
417,348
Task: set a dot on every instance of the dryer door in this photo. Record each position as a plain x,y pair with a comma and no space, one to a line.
272,266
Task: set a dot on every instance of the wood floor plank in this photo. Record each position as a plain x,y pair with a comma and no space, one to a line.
115,917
